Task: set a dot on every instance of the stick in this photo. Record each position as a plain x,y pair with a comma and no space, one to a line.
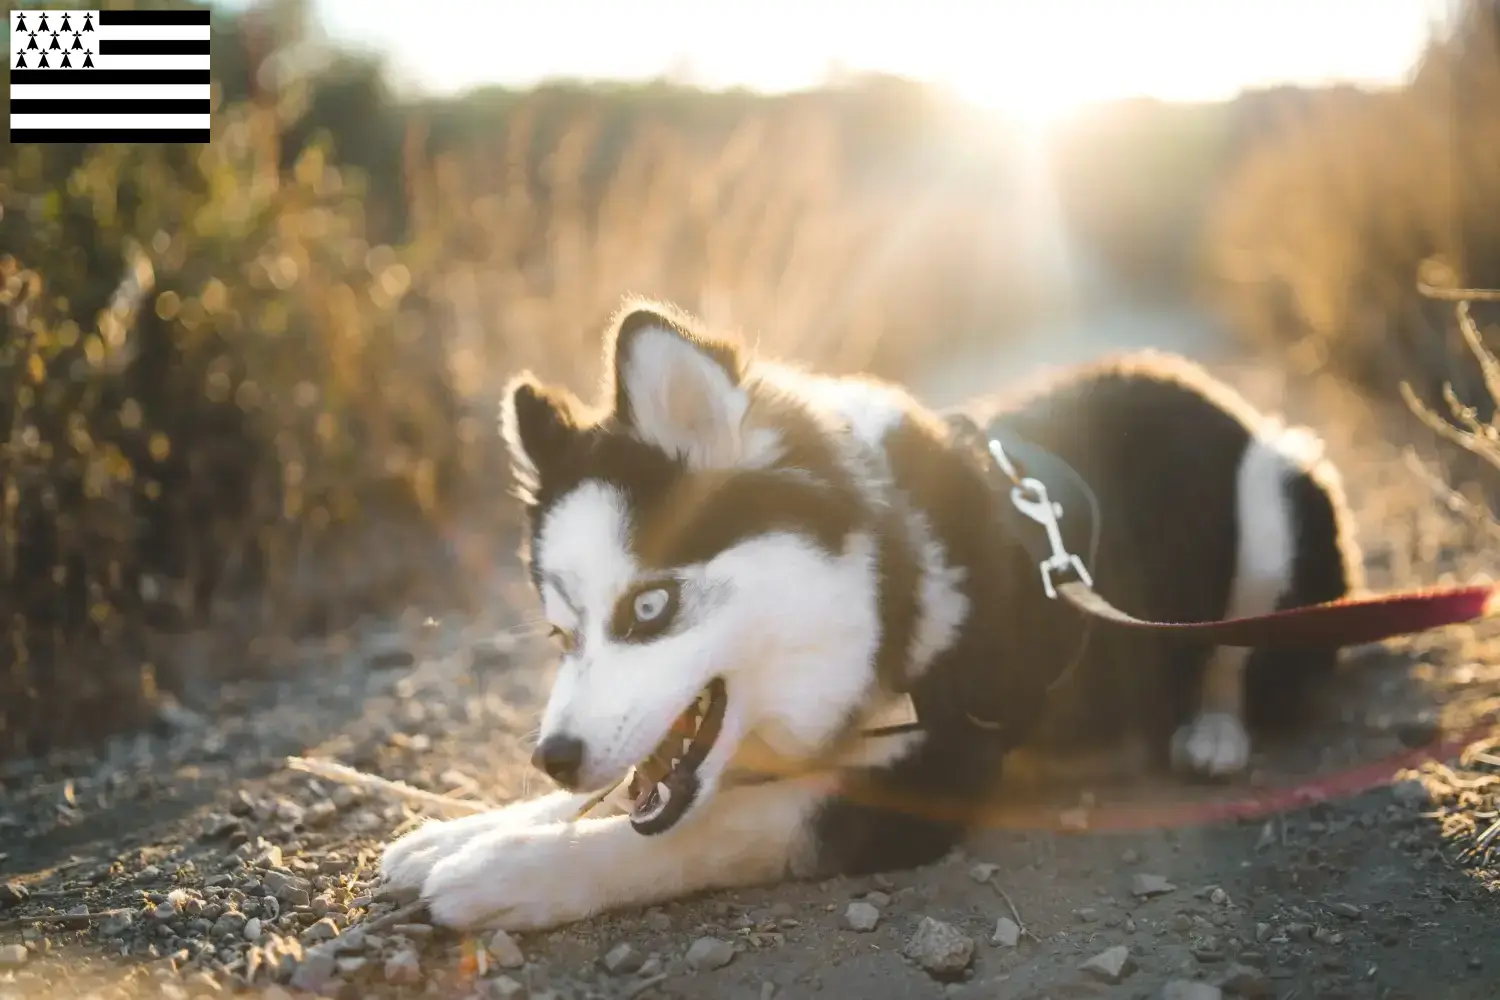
61,919
1014,913
443,805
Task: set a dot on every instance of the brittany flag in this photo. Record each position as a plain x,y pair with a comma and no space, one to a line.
109,76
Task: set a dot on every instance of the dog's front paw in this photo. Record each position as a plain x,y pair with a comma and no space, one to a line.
519,880
1214,745
406,863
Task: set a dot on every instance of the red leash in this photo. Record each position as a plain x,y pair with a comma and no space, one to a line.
1028,482
1346,622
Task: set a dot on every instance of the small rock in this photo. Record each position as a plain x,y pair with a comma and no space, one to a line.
940,948
316,971
1246,981
1146,886
1111,965
506,953
709,953
13,894
877,898
116,925
1007,933
230,922
1187,989
1130,857
1218,896
1347,910
504,988
1324,936
12,956
323,930
292,890
983,872
622,960
403,967
861,916
252,930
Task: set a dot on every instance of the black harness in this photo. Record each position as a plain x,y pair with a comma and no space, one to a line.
1032,489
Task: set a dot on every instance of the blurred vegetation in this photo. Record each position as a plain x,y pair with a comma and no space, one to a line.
1348,200
253,384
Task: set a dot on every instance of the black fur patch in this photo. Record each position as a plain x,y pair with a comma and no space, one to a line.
1160,443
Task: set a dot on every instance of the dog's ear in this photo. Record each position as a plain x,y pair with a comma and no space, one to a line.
675,387
540,426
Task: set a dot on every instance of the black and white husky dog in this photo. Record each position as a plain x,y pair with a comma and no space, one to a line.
745,565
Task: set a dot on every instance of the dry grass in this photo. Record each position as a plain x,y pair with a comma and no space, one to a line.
225,400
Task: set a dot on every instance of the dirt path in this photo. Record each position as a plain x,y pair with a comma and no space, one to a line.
201,864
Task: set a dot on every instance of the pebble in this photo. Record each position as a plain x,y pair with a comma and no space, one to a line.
1188,989
622,960
117,925
323,930
877,898
13,894
504,950
861,916
1347,910
503,987
1246,981
1111,965
252,930
316,971
231,922
1007,933
940,948
1146,886
983,872
709,953
12,955
292,890
403,967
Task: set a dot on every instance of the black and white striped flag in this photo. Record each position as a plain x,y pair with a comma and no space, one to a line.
109,76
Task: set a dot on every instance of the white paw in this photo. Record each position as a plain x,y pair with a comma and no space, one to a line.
406,863
1214,745
519,880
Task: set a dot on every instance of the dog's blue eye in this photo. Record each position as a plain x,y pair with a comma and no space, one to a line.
645,612
650,605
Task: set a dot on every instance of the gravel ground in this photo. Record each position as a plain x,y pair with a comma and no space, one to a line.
190,861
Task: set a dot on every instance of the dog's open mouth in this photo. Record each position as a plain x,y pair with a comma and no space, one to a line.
665,784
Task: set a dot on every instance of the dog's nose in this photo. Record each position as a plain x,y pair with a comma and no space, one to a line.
560,757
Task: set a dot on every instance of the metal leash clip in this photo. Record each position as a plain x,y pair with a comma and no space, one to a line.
1031,499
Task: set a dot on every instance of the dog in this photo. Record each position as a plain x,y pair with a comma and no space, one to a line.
746,566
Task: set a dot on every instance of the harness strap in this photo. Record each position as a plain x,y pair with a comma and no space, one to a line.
1349,621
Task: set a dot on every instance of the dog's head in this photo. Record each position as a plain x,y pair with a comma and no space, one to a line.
701,550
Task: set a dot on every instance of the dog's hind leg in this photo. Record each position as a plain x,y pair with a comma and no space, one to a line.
535,877
1216,743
